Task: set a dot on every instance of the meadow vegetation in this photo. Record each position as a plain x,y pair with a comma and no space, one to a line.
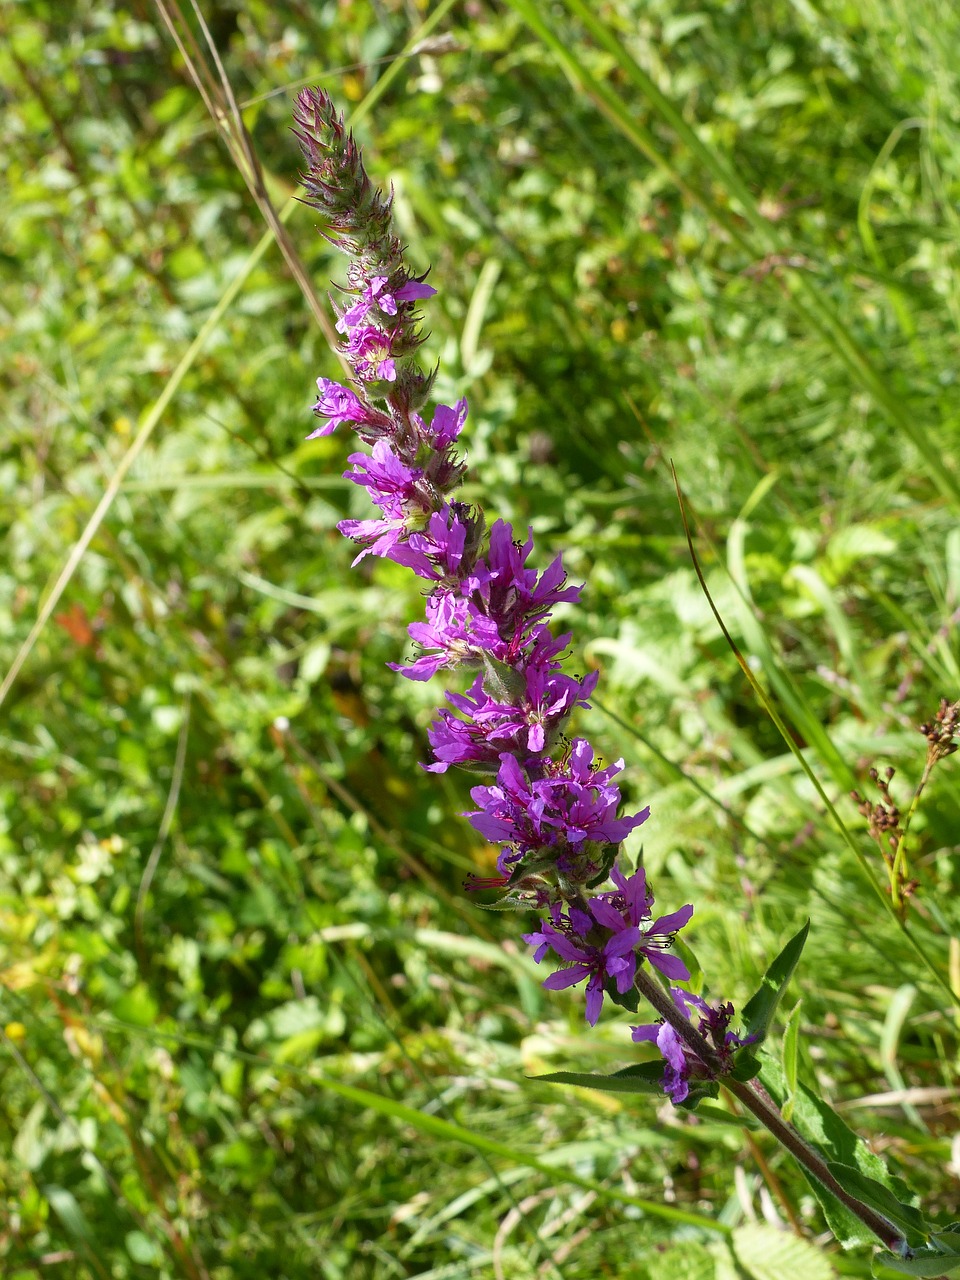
251,1025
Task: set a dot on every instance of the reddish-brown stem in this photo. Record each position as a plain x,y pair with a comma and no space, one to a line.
758,1102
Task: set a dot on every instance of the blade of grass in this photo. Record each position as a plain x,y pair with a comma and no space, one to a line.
437,1128
786,688
787,736
157,410
136,447
424,1123
806,298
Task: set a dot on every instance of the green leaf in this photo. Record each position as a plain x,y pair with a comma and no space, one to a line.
142,1249
719,1116
816,1121
500,680
629,1000
907,1219
930,1264
759,1010
699,1090
764,1253
607,859
137,1006
746,1065
32,1142
644,1077
65,1206
687,1261
789,1057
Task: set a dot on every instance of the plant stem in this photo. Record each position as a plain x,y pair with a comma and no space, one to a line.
758,1102
898,867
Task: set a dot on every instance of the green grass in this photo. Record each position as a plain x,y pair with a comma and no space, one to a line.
722,238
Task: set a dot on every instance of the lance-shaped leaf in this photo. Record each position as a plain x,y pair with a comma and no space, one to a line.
823,1129
925,1263
759,1010
908,1220
642,1077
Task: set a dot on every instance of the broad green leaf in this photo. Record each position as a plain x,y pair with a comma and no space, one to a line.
65,1206
137,1006
905,1217
816,1121
765,1253
32,1141
759,1010
143,1250
688,1261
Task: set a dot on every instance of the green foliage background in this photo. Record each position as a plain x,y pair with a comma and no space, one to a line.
206,723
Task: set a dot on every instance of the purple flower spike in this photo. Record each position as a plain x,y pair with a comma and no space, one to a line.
550,807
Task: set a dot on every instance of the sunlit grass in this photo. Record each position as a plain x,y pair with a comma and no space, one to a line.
720,240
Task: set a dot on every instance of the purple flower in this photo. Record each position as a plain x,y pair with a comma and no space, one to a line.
607,940
570,805
375,294
594,963
446,425
413,291
456,741
438,550
392,484
513,811
382,537
586,801
628,906
682,1063
525,728
550,698
339,404
512,594
368,350
455,632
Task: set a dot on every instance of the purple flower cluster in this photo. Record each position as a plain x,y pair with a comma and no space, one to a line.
550,806
682,1064
604,939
